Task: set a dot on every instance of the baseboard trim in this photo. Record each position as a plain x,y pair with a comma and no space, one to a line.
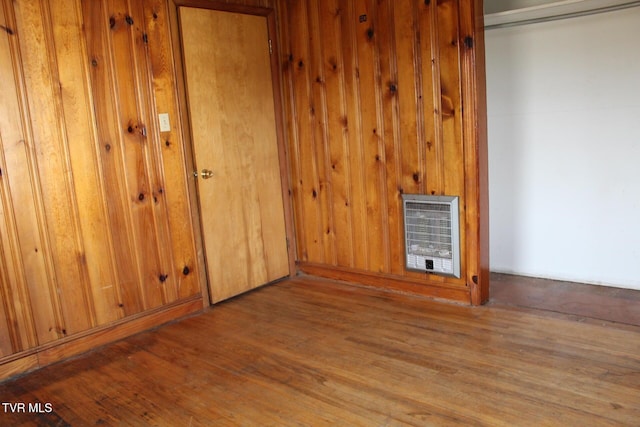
439,291
89,340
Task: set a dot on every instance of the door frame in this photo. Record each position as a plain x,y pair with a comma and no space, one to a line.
283,158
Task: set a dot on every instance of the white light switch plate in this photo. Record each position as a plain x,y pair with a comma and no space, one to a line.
165,125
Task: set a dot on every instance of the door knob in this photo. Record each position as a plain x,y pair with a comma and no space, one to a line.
206,174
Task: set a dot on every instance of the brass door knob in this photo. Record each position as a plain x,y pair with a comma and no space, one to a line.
206,174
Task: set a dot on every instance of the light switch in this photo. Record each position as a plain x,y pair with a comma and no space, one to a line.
165,125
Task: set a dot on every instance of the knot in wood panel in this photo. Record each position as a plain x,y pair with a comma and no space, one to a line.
370,33
132,127
59,330
7,30
448,109
468,42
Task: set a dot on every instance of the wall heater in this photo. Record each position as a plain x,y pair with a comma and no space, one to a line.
432,234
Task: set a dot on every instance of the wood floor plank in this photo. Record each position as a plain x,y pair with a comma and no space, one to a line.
313,352
591,301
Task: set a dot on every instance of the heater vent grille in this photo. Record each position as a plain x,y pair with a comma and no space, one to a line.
432,234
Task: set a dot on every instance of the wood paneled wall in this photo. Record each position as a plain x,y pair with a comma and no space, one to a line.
374,92
95,220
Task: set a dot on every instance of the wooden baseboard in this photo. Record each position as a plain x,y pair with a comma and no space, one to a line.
22,365
89,340
442,291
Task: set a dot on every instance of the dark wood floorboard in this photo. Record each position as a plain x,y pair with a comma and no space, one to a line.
311,352
587,301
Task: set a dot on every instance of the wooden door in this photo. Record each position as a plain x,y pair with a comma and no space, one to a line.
233,122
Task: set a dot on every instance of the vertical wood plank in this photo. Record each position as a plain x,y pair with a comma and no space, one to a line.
125,34
166,276
72,275
450,91
390,93
409,131
372,131
412,54
110,144
353,130
22,331
169,150
431,118
66,288
476,150
306,186
451,112
337,126
321,133
94,247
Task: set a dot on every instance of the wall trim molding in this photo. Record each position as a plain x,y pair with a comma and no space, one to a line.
553,11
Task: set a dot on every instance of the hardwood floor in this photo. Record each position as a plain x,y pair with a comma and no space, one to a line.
583,301
313,352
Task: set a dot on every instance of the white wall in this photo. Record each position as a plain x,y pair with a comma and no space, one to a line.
564,148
